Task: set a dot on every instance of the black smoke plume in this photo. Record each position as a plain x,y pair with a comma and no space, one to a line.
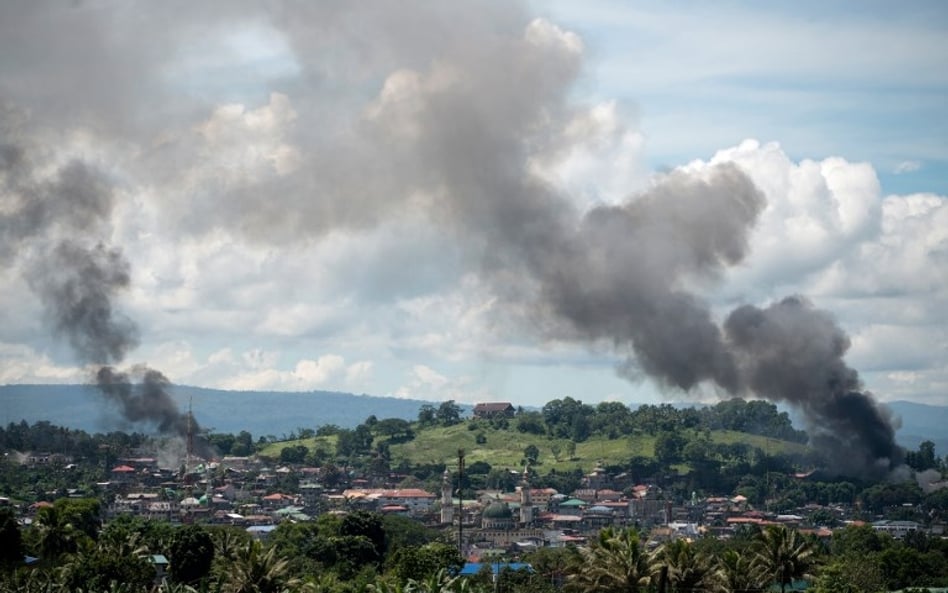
78,278
621,275
142,396
791,352
77,285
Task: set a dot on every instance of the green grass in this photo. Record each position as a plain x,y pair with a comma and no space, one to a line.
769,445
504,448
328,443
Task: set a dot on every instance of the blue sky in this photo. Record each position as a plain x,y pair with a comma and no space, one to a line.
286,226
822,78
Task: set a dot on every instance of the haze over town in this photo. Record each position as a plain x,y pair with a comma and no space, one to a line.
417,199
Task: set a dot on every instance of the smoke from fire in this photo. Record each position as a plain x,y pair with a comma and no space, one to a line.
407,115
61,226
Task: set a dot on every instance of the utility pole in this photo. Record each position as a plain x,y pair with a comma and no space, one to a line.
460,502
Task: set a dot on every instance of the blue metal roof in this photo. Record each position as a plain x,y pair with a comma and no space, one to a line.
472,568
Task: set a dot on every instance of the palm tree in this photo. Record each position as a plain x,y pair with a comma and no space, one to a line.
439,582
443,582
227,542
255,570
117,563
738,573
782,555
57,534
614,563
123,545
687,569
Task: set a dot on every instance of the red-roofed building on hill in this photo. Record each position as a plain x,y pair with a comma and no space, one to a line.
493,410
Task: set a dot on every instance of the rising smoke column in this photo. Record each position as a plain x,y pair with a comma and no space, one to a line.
50,222
625,282
142,395
54,223
77,284
791,352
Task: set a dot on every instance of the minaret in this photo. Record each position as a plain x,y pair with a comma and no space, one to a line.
209,490
526,505
447,506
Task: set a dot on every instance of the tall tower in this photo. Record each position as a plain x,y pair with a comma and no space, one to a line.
209,490
447,506
526,504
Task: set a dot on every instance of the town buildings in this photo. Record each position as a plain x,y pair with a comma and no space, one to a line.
251,493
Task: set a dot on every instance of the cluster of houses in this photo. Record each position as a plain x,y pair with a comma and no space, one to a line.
245,492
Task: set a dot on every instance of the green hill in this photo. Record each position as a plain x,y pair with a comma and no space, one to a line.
505,448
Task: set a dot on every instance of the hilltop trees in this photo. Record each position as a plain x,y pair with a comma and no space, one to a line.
395,429
530,422
354,442
754,417
448,413
426,415
294,454
669,446
568,418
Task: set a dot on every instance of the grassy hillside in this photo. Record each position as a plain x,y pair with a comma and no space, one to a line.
326,443
505,448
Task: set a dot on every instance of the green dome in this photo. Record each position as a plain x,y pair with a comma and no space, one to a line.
498,510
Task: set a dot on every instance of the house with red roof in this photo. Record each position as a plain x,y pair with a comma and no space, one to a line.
493,410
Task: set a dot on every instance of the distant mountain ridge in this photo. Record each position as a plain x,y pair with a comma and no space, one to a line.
278,413
259,412
921,422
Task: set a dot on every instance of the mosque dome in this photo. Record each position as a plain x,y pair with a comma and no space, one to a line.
497,515
498,510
